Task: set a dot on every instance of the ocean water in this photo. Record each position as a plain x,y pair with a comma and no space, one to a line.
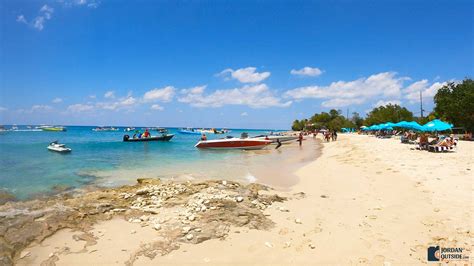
28,169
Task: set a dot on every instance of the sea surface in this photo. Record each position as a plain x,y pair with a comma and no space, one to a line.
28,169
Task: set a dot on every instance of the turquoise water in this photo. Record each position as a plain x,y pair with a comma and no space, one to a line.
28,169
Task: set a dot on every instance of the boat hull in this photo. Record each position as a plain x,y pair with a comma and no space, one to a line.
229,144
60,150
126,138
283,139
54,129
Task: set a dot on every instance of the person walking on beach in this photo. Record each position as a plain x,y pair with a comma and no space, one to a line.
278,144
300,138
334,135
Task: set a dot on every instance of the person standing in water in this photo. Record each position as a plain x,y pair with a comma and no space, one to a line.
300,138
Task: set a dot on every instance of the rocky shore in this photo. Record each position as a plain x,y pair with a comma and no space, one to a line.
179,212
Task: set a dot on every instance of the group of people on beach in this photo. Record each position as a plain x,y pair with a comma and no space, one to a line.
328,135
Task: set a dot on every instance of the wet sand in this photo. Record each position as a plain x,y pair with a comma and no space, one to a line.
270,166
365,201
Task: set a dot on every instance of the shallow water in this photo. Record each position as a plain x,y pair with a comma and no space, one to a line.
28,169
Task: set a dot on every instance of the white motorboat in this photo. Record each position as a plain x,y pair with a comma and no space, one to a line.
57,147
233,143
274,138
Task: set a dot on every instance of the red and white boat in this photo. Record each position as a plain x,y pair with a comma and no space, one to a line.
233,143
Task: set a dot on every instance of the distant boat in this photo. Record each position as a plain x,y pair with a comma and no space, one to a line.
159,129
100,129
233,143
128,129
55,146
190,131
52,128
164,137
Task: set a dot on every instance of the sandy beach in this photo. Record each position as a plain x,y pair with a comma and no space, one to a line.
363,201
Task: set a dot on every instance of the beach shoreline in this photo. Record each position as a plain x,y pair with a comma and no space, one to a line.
363,201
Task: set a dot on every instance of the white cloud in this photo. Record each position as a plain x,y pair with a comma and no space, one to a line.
246,75
123,103
344,93
255,96
86,3
46,9
3,109
164,94
109,94
340,102
21,19
383,103
92,96
307,71
244,114
46,13
194,90
412,92
40,108
57,100
77,108
157,107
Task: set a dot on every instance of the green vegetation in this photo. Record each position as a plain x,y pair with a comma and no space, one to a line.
332,120
389,113
454,103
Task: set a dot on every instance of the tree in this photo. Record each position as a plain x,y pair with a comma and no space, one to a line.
297,126
357,120
332,120
389,113
455,104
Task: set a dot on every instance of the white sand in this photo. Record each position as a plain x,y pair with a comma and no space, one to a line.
368,201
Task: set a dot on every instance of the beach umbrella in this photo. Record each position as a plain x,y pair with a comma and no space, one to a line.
415,126
402,124
386,126
437,125
409,125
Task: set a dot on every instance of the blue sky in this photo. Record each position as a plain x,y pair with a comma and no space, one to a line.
256,64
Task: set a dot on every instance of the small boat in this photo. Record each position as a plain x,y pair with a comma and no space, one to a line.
159,129
164,137
190,131
52,128
274,138
128,129
233,143
100,129
55,146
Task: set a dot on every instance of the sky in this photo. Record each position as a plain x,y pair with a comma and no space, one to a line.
235,64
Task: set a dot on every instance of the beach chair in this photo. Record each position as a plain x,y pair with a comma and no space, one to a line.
436,148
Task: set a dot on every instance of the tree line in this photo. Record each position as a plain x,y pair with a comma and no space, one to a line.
454,103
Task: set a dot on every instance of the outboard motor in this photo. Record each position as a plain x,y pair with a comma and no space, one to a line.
126,137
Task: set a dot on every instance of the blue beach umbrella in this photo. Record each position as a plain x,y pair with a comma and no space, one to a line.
402,124
437,125
415,126
409,125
